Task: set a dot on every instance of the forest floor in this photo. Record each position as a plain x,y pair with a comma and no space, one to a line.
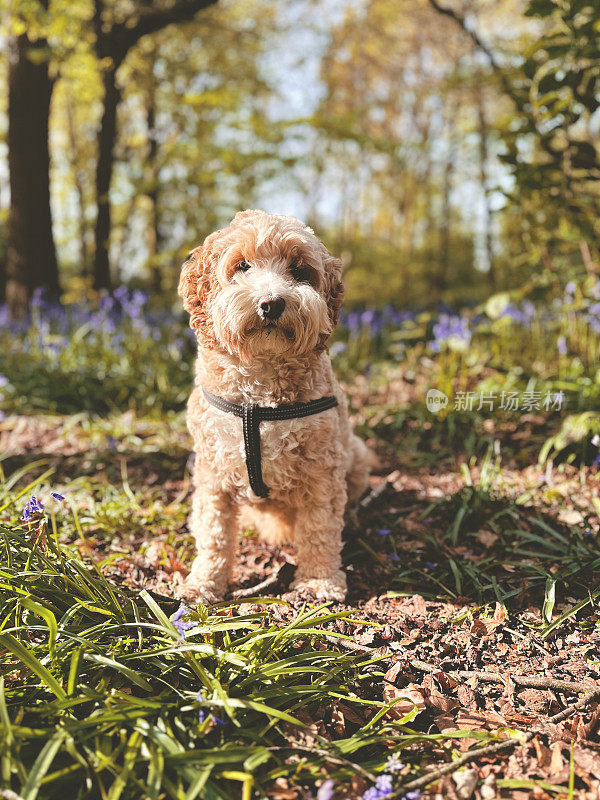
474,582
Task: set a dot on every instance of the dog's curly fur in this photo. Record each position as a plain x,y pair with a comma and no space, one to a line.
314,466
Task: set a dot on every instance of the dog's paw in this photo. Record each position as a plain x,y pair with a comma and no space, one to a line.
333,588
193,592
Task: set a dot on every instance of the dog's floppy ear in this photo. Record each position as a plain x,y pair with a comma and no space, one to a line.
334,293
195,284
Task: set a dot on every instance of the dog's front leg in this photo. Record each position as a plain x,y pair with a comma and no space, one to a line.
213,526
318,539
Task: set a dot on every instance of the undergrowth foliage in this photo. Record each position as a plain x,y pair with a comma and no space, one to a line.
108,693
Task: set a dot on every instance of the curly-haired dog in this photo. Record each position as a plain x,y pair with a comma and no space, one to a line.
263,295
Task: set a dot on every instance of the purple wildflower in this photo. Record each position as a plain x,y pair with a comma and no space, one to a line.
450,330
33,507
393,557
383,787
57,496
414,794
561,345
336,349
384,531
3,381
596,461
201,698
394,764
180,624
570,288
326,790
431,565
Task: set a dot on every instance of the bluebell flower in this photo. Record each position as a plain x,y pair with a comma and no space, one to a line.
431,565
384,531
570,287
383,786
179,623
393,557
451,330
596,461
201,698
121,293
561,345
529,308
3,381
58,496
394,764
33,507
336,349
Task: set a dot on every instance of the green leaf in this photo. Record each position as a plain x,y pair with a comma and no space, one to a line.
27,658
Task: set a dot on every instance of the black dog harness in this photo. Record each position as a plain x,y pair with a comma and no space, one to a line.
252,415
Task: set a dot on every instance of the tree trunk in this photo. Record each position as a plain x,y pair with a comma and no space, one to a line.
104,168
487,209
446,218
31,255
154,236
82,225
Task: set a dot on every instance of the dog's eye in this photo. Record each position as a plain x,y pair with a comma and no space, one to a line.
243,266
299,273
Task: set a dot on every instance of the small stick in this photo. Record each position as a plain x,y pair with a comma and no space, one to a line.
425,780
529,681
252,590
375,493
330,757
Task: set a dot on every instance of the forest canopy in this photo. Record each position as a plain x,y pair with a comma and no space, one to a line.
446,150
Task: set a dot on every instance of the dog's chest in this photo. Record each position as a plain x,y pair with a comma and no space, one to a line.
289,450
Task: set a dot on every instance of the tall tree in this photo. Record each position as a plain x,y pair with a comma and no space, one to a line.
114,39
31,255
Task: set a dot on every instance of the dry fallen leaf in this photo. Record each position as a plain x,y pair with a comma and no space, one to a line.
487,538
408,699
465,782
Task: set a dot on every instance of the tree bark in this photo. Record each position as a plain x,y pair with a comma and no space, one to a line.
104,168
113,42
446,220
155,238
31,254
487,210
78,180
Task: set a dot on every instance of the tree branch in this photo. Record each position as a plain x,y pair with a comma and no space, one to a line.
479,43
436,774
150,20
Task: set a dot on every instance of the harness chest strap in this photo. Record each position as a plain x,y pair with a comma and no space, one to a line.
252,415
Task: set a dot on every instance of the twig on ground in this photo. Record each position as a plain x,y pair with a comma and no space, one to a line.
272,579
526,638
344,762
528,681
376,493
434,775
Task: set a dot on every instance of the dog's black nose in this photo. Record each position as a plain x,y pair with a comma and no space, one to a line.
272,308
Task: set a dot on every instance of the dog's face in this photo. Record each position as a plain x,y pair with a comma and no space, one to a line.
263,284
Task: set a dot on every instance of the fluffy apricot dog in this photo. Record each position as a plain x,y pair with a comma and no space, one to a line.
263,295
